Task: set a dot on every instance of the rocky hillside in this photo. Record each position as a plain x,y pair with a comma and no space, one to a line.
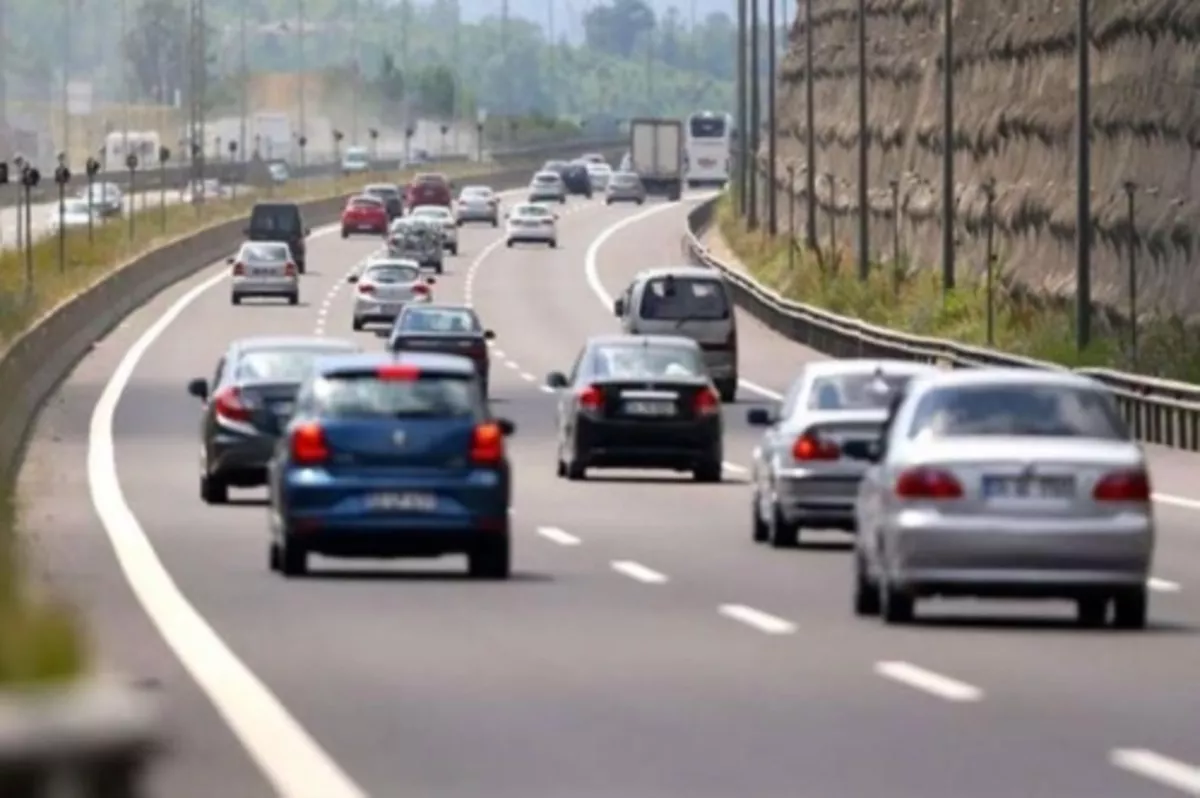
1016,93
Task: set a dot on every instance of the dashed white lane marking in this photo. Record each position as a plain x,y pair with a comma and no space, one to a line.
928,681
734,467
1158,768
525,375
639,572
558,536
547,389
762,621
1163,585
291,760
512,364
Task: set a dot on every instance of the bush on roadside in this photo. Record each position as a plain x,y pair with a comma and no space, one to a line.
911,300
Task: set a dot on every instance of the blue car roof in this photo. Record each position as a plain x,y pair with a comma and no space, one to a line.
364,361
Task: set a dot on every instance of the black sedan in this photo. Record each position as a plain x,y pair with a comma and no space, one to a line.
390,195
639,402
574,175
449,329
248,404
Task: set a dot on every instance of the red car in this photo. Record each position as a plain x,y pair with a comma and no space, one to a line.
428,189
364,215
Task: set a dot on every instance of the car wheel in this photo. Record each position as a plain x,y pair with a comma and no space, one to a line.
866,592
454,249
1130,609
727,390
273,557
293,560
576,469
553,243
707,472
895,606
560,468
782,534
495,222
491,559
508,243
639,202
608,201
294,299
213,489
759,529
357,324
1091,612
345,233
235,299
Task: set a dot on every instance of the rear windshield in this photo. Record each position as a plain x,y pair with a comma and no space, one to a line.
431,180
707,127
392,274
625,179
1022,410
431,396
366,202
438,320
680,298
388,192
276,219
282,365
546,179
533,210
637,361
865,391
264,253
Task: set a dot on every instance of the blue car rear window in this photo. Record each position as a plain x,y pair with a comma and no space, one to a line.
367,396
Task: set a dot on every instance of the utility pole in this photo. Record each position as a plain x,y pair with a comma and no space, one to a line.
810,141
743,120
1083,168
244,69
650,69
697,73
553,56
948,209
507,99
864,214
356,71
124,72
303,79
755,116
772,193
456,59
65,38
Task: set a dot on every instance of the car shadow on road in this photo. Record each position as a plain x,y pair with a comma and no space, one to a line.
447,575
248,501
681,479
1025,624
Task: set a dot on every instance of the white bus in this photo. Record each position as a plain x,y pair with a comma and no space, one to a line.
142,143
708,148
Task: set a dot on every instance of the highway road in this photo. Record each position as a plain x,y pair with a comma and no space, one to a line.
645,648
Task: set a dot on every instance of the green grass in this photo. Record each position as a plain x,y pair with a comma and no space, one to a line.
912,300
42,642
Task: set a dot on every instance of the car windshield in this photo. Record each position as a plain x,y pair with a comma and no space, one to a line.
277,365
1011,409
678,298
392,273
430,396
647,361
707,127
264,253
388,192
857,391
438,320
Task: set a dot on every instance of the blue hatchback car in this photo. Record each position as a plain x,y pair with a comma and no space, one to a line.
392,455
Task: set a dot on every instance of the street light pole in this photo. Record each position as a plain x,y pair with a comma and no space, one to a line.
302,101
755,117
864,212
1083,169
244,69
743,118
810,144
772,198
355,72
125,100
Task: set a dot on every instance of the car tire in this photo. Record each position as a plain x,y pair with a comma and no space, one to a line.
560,468
495,222
357,324
866,592
273,556
759,531
213,489
491,559
508,243
293,299
727,390
553,243
708,473
454,249
782,534
345,233
234,299
1130,609
1091,612
608,202
641,201
293,560
895,606
575,469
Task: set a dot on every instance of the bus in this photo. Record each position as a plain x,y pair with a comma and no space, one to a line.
708,148
119,144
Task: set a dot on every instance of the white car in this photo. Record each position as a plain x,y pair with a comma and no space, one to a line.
532,222
264,269
107,198
356,160
599,174
439,213
385,287
75,214
477,204
547,187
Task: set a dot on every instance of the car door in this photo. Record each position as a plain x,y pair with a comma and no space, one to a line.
869,507
567,399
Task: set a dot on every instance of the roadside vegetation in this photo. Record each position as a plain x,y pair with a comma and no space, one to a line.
911,300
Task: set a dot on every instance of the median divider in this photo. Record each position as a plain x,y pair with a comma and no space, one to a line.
98,738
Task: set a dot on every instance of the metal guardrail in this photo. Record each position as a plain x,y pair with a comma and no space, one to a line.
1162,412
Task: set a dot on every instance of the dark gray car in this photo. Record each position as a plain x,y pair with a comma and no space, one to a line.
247,404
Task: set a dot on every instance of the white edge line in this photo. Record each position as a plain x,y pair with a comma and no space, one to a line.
291,760
928,681
553,533
762,621
1163,585
1156,767
639,572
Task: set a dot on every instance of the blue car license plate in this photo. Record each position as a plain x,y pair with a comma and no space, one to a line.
406,502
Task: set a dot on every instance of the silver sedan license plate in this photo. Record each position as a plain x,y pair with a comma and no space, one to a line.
403,502
1035,488
652,409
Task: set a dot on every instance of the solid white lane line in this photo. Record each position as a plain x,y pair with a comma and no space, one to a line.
639,572
734,467
291,760
927,681
1162,769
558,536
762,621
1176,501
1163,585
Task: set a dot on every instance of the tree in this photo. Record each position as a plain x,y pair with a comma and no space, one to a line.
616,28
437,91
391,83
156,49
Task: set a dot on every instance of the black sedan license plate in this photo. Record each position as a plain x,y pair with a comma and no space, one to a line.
403,502
650,409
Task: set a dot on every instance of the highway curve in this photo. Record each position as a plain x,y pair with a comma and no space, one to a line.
645,647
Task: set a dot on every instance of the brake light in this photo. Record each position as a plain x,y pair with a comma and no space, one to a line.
928,483
1123,486
398,372
811,447
229,404
706,403
239,269
366,288
487,444
591,399
308,445
289,270
420,290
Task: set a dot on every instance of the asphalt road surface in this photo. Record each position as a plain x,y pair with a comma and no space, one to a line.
645,647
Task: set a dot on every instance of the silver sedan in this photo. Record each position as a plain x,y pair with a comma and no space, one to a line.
547,187
625,187
477,204
807,466
1006,483
384,287
264,269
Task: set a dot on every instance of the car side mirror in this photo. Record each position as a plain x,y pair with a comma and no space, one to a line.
506,426
198,388
619,307
873,451
556,380
489,335
759,417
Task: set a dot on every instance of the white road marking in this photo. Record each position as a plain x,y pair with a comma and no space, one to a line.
560,537
547,389
497,351
639,572
512,364
1176,501
734,467
1163,585
525,375
762,621
291,760
927,681
1158,768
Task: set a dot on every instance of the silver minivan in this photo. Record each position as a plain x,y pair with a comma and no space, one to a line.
688,301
